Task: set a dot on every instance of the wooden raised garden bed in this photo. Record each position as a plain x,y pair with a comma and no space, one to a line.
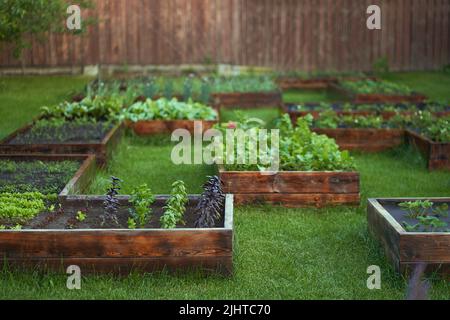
406,249
293,188
368,140
295,114
78,183
247,99
102,149
121,250
287,83
150,127
378,98
437,154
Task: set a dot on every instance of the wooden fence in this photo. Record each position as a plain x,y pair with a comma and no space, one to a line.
284,34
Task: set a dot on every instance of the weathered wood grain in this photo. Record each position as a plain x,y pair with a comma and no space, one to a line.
123,250
247,99
405,249
292,188
288,35
151,127
368,140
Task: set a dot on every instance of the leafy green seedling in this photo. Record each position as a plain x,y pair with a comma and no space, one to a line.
81,216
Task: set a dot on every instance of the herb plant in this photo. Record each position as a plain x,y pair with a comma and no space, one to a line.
141,199
111,203
211,204
175,206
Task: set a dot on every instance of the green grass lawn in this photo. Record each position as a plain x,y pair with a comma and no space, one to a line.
435,85
21,97
307,95
279,253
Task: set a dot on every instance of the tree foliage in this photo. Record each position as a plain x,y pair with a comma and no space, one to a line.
22,19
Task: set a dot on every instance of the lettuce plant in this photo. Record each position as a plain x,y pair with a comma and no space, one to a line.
163,109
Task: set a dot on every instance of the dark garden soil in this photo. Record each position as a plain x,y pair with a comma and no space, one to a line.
400,215
66,219
66,133
48,177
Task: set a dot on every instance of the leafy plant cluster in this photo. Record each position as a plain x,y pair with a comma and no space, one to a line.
368,86
61,131
187,87
18,208
46,177
431,106
244,83
300,149
93,108
429,216
435,128
164,109
23,19
331,120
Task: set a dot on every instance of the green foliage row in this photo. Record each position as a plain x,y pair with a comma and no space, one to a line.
164,109
189,87
368,86
98,108
431,106
435,128
21,207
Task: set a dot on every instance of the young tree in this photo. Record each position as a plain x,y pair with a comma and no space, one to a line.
22,19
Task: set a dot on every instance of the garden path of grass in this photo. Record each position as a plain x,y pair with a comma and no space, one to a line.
279,253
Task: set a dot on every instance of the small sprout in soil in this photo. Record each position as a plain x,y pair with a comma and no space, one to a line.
211,204
111,204
131,223
141,198
175,206
81,216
